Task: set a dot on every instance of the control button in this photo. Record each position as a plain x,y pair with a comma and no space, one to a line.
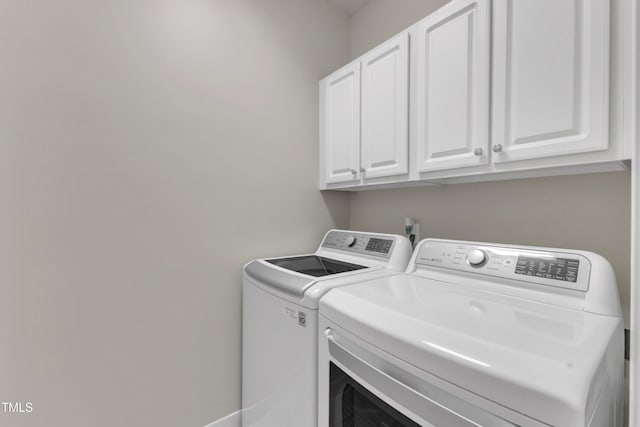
476,257
351,240
508,262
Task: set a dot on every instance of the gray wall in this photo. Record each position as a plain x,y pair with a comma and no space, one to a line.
147,150
380,19
590,212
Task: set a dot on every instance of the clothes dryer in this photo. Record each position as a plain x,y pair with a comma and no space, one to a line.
476,334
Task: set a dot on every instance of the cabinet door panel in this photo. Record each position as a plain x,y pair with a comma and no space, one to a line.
551,93
385,104
452,96
341,125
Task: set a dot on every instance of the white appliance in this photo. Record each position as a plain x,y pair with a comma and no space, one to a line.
280,320
475,334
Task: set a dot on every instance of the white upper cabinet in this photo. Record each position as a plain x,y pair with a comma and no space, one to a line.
385,108
484,90
364,117
550,78
340,125
452,86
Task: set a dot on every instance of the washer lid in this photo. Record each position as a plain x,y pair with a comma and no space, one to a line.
294,275
541,360
274,278
314,265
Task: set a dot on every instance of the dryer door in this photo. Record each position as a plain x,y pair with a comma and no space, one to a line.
367,390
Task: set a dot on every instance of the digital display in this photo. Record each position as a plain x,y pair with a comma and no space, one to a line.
379,245
564,269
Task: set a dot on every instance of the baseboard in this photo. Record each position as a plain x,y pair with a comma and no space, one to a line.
231,420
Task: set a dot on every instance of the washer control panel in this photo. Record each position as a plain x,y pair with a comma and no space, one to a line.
565,270
360,243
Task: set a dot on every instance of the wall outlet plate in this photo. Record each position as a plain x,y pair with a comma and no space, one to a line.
414,235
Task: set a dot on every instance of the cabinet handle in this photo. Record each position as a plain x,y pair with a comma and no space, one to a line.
497,148
478,151
353,171
363,170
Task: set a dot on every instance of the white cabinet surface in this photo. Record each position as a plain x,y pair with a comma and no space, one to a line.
487,89
385,108
452,86
550,78
340,125
364,125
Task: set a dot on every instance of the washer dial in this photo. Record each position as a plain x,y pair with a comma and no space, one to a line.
476,257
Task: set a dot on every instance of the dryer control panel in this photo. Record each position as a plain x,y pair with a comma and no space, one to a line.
361,243
559,269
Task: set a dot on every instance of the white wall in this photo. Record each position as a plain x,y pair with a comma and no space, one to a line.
589,212
147,150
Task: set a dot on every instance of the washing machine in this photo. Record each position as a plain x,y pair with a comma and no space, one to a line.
475,334
280,320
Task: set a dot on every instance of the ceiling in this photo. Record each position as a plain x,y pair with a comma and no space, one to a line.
349,6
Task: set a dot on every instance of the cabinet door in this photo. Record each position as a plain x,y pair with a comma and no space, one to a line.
340,124
385,108
551,90
452,86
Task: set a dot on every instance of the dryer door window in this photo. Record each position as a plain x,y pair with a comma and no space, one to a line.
352,405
